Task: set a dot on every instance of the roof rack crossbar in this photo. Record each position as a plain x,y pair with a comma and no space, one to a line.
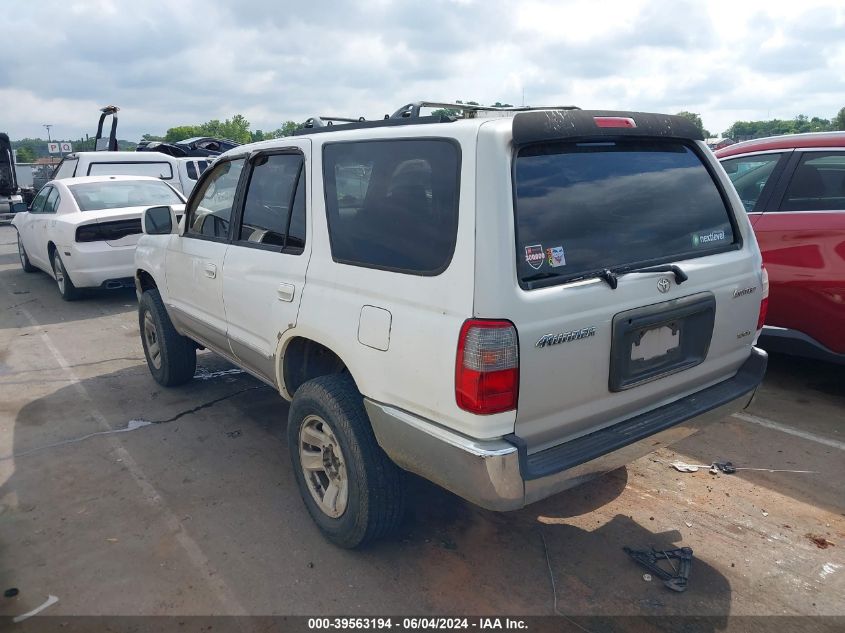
324,121
412,110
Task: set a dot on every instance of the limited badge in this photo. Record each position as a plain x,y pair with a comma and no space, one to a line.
534,256
555,256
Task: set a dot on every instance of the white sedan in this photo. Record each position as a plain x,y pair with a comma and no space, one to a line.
83,231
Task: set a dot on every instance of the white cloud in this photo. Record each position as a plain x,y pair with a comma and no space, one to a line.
190,61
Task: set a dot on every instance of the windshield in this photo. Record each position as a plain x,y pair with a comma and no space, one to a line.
585,207
114,194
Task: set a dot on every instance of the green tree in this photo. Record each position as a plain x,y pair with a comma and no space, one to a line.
25,154
838,122
152,137
287,129
696,120
181,132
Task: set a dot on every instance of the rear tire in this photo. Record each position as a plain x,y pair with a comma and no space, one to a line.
68,291
25,263
328,430
171,357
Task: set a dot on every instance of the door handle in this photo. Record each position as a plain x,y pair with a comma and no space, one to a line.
286,292
210,271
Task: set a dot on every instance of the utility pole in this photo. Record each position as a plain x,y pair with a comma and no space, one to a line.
49,140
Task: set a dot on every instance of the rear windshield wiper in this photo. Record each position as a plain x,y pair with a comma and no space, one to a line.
680,275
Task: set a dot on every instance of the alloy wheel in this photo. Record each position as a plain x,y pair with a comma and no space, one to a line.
324,466
151,339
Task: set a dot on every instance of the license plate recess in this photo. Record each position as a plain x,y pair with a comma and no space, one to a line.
660,339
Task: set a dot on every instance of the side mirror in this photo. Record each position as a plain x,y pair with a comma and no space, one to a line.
159,221
19,207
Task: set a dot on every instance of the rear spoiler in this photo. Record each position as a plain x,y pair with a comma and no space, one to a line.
552,125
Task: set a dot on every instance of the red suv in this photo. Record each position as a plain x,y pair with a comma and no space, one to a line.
793,188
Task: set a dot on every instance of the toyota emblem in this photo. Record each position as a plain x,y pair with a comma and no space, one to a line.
663,285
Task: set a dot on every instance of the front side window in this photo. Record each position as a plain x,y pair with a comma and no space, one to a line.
115,194
161,170
275,190
37,205
66,168
818,183
393,204
749,175
52,203
582,208
211,209
191,168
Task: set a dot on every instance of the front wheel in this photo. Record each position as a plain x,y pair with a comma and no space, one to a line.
352,490
68,291
171,357
25,263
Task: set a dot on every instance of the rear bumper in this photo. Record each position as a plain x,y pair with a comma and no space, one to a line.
93,264
501,475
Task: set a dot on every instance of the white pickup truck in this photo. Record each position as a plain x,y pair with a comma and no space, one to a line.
507,305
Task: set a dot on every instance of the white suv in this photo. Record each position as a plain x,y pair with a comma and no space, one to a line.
507,305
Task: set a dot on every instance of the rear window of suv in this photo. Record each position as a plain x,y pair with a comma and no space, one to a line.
585,207
393,204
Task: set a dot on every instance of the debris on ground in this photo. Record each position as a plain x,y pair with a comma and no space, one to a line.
11,592
51,600
233,434
676,580
820,541
647,577
728,468
686,468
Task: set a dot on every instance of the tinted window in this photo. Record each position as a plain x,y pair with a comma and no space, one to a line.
52,201
269,200
156,170
191,168
38,203
114,194
818,183
585,207
66,168
749,174
211,208
393,204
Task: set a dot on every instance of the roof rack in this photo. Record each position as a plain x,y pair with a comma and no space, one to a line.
412,110
409,114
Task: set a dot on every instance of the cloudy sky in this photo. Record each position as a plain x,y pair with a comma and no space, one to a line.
167,63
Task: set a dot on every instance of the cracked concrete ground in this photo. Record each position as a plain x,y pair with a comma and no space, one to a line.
201,515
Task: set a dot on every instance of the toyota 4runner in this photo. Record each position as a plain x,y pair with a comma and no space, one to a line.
506,303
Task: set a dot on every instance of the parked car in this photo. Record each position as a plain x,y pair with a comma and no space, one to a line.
181,173
507,306
83,231
793,188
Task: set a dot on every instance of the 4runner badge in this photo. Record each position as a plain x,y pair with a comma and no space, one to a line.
565,337
535,256
663,285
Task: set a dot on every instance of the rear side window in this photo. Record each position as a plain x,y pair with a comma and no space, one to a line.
37,205
818,183
585,207
274,200
749,175
191,168
66,168
393,205
156,170
52,203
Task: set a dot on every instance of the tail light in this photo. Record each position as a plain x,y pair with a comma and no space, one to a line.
487,367
764,303
614,121
111,231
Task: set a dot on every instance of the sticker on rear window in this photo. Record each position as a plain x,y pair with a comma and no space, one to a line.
534,256
556,256
708,238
